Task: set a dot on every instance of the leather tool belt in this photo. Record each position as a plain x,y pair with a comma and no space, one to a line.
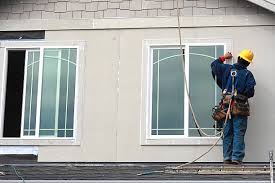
239,106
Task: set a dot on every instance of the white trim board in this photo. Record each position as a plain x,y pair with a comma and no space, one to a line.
138,23
4,150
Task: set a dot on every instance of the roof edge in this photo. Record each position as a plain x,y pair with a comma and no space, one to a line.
267,4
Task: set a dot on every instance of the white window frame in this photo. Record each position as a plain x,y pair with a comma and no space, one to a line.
146,105
5,46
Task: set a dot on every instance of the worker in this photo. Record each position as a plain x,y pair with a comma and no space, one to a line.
244,83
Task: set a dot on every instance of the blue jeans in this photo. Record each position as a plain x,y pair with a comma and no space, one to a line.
233,140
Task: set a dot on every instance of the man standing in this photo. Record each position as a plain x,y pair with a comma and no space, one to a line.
244,83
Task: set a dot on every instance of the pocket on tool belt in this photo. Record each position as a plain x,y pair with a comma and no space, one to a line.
240,106
240,109
218,113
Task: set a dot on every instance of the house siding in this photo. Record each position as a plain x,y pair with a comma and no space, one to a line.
111,129
98,9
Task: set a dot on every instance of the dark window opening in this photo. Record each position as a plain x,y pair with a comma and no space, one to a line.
6,35
14,93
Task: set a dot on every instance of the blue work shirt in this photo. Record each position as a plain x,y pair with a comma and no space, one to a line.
245,80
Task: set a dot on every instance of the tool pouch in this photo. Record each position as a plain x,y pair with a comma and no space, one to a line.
219,116
218,113
240,106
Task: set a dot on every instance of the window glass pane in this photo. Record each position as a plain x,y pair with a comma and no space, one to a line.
69,133
36,56
219,50
168,92
155,55
63,91
61,133
193,132
30,57
47,132
58,92
171,132
166,53
49,91
31,87
34,95
202,87
71,96
73,54
65,54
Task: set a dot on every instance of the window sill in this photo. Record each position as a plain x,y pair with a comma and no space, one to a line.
190,141
38,142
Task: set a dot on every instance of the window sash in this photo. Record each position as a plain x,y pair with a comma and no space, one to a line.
27,116
160,65
62,110
38,103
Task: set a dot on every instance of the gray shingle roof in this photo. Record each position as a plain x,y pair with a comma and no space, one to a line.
268,4
29,169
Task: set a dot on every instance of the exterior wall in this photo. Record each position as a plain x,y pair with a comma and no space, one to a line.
111,128
90,9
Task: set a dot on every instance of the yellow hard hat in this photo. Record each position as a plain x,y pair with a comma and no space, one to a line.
247,55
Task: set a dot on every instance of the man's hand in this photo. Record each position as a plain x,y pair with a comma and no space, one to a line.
228,55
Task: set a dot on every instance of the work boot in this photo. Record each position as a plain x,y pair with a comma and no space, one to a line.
227,162
237,162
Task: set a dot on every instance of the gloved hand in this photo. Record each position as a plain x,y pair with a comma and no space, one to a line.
228,55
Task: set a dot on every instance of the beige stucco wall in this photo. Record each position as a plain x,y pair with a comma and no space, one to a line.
111,115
